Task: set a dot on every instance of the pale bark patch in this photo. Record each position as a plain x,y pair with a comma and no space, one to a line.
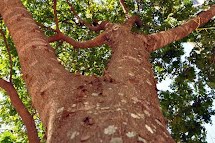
146,112
60,110
34,63
158,122
110,130
116,140
95,94
135,116
85,138
74,134
141,140
149,129
131,134
123,101
147,81
141,116
135,99
131,74
146,70
105,108
120,94
132,58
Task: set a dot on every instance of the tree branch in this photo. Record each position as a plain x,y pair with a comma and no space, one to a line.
22,111
124,8
8,50
158,40
97,41
96,28
55,15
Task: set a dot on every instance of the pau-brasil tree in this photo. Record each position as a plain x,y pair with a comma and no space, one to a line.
121,105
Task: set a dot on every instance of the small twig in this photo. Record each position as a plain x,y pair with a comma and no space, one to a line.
9,54
124,8
97,41
96,28
55,15
21,110
76,15
200,29
73,10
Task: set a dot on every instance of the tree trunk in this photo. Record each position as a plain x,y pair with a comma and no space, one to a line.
120,107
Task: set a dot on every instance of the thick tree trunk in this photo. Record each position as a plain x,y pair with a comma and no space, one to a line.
121,106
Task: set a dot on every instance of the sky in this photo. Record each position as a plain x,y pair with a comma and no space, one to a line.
198,2
210,128
165,84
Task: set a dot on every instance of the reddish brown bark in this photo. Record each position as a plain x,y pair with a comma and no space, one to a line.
21,110
55,15
97,41
121,106
158,40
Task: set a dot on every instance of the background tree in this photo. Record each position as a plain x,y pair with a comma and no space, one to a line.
191,77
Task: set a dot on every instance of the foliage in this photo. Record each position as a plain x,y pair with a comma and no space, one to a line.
8,137
188,103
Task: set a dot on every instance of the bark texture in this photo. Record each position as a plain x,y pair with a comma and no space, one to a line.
120,107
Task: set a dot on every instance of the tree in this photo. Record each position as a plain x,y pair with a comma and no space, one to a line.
119,106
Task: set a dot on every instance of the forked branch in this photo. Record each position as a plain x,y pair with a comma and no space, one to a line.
158,40
21,110
97,41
